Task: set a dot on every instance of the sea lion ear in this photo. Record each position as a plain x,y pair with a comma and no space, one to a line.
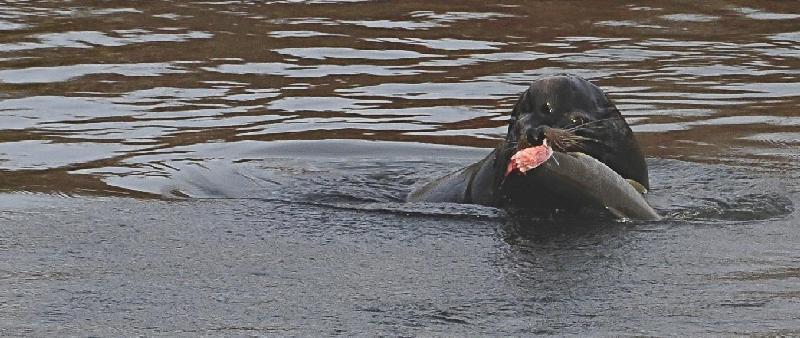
608,99
611,108
512,121
518,107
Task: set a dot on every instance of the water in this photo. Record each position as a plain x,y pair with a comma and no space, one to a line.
238,168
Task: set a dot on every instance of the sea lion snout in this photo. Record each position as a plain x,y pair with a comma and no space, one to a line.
533,136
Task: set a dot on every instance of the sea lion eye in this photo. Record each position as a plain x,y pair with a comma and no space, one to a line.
546,109
577,120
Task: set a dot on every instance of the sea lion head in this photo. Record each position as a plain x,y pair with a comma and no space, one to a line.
574,116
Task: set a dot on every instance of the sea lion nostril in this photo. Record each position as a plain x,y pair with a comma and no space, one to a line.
535,135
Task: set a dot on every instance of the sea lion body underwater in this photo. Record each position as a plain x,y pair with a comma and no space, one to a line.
597,162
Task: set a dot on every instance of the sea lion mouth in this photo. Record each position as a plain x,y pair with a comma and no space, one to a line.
561,140
583,136
586,138
529,158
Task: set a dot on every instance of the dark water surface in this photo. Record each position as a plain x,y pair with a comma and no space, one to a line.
238,168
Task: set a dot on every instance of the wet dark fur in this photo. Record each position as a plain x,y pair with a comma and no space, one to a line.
574,115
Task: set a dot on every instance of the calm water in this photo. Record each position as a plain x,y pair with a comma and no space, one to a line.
238,168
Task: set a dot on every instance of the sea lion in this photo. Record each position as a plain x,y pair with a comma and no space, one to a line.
578,119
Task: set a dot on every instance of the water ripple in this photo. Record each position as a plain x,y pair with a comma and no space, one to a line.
90,39
66,73
321,53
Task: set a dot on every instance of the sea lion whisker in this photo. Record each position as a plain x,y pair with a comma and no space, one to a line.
583,125
565,140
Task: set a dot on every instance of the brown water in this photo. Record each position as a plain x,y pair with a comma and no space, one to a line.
289,132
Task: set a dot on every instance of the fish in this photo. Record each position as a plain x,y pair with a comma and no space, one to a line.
592,182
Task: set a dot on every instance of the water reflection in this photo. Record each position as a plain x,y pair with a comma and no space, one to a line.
90,39
107,77
66,73
297,71
322,53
